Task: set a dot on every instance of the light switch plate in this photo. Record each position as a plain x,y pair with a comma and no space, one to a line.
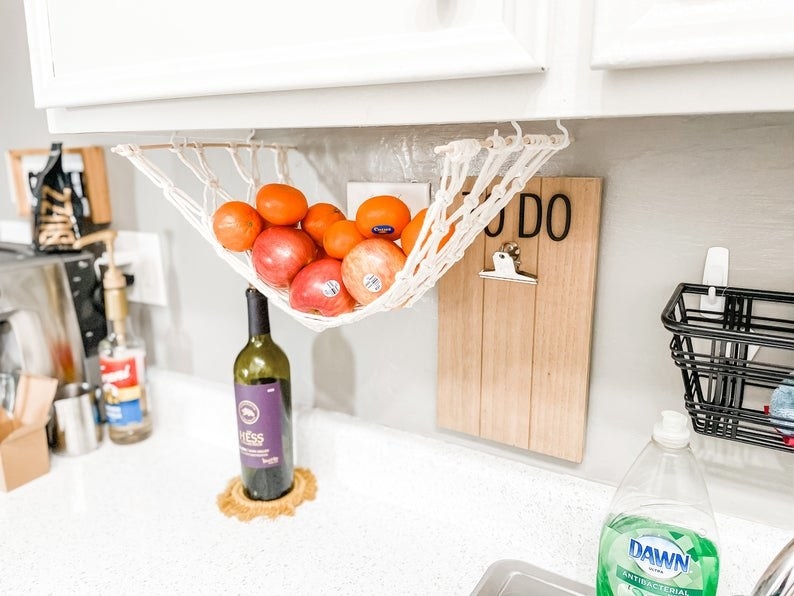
414,194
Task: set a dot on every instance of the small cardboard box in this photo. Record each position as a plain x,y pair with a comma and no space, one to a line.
24,453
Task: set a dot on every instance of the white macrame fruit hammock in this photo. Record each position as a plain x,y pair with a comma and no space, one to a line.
426,263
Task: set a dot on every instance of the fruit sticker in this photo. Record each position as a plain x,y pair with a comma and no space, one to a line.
331,288
383,230
372,282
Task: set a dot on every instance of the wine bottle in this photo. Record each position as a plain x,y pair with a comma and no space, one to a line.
264,408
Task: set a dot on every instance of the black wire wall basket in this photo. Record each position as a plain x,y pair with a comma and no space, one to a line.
737,362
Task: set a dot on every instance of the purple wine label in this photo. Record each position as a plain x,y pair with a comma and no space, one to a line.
259,424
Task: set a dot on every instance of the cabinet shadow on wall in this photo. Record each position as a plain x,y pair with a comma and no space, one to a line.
729,461
334,372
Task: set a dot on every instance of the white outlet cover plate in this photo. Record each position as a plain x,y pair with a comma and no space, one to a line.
15,230
414,194
139,253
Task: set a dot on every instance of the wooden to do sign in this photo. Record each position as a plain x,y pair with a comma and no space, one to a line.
514,358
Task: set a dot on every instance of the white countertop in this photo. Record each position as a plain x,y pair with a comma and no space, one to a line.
395,513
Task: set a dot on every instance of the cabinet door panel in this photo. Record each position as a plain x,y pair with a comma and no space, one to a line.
639,33
89,52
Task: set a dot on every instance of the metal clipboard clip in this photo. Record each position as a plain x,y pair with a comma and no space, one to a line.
506,263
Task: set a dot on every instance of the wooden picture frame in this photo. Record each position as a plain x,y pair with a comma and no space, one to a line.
90,163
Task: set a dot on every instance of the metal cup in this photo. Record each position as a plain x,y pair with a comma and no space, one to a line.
75,427
8,391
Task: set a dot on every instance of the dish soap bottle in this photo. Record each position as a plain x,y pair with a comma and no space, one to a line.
122,357
660,536
264,408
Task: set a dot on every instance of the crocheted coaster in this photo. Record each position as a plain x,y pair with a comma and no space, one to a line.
233,502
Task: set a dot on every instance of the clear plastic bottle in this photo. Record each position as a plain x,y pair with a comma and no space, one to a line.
659,536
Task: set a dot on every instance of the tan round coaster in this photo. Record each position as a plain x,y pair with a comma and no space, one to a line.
233,501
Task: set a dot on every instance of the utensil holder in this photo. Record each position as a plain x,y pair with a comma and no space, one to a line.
75,426
732,361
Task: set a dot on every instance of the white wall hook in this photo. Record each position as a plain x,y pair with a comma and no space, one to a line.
715,273
505,262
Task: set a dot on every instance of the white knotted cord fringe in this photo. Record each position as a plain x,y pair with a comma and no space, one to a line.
426,263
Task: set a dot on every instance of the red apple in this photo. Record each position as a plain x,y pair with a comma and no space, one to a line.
280,252
318,289
368,270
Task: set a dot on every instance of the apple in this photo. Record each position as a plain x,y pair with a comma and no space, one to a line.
279,252
318,289
370,267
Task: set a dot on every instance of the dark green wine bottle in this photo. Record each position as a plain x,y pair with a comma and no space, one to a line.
264,408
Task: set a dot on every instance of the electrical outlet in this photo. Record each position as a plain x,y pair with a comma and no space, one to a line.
139,254
414,194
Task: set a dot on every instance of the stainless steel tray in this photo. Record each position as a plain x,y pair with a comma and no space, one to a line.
517,578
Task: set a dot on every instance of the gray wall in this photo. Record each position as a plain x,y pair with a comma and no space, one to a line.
673,187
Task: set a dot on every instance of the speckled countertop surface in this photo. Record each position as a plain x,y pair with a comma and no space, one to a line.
395,513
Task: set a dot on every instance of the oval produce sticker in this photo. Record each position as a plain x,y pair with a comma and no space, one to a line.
331,288
372,282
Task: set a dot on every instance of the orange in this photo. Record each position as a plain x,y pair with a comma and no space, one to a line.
236,225
411,233
383,216
281,204
340,238
318,218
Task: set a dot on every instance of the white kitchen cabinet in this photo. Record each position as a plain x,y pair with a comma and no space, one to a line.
89,52
110,65
642,33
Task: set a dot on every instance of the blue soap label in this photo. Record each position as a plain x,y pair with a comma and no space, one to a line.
126,412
